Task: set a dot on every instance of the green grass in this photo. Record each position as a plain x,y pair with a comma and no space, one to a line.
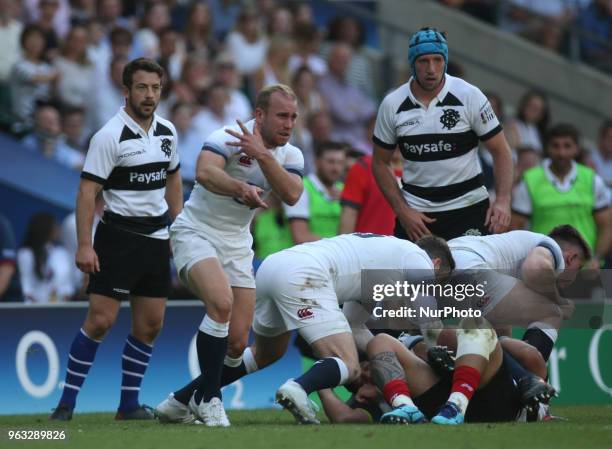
586,427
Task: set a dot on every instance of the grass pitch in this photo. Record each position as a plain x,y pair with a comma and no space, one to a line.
586,427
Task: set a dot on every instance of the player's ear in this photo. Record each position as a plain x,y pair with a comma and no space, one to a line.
437,263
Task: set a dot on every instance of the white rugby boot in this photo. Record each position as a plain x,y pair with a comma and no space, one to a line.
293,398
211,413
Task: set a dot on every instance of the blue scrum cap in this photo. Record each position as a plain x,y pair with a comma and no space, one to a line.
427,41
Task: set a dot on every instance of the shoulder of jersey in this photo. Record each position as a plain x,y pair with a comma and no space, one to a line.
167,123
398,95
461,87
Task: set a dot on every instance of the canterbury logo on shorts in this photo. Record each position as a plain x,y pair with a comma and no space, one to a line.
305,313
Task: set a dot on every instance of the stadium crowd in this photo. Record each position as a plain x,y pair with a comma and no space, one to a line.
61,80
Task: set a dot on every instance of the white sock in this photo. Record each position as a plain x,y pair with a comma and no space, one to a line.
460,400
401,399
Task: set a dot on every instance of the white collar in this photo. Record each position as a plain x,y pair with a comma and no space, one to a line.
435,100
131,123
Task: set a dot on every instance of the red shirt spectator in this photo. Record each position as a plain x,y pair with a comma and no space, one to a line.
364,208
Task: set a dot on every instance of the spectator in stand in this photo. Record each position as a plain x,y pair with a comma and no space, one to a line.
595,22
361,72
59,11
318,130
199,36
349,108
602,155
275,69
316,215
82,11
76,72
32,79
224,13
225,74
541,21
44,267
531,122
214,114
307,40
196,77
561,191
47,139
171,54
111,98
364,207
10,31
10,288
45,20
109,13
302,14
156,18
73,128
271,232
190,142
280,23
247,44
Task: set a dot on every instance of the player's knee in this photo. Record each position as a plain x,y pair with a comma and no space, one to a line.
354,370
97,325
236,346
147,330
221,309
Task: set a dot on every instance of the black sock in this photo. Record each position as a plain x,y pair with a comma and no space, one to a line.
184,394
516,369
211,352
230,374
540,340
325,373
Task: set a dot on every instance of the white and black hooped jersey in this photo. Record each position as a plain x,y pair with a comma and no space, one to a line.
439,143
223,213
505,252
133,166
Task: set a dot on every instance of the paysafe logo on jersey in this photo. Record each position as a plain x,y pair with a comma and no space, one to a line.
147,178
435,147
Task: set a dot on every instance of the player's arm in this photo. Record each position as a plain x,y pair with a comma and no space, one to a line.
498,215
300,232
174,194
86,257
603,220
539,273
339,412
413,221
521,206
288,186
210,173
348,219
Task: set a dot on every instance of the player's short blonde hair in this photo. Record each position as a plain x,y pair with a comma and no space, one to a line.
263,97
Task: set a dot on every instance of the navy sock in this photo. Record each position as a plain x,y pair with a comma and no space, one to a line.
325,373
211,352
80,358
231,374
134,363
540,340
184,394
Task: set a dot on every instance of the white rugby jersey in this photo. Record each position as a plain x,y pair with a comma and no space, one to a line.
344,257
221,212
505,252
439,143
133,165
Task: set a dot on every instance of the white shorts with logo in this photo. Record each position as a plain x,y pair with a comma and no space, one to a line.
294,292
496,284
190,245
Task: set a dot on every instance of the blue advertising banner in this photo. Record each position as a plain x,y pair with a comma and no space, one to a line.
34,351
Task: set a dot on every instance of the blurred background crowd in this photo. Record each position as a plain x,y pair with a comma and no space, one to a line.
60,80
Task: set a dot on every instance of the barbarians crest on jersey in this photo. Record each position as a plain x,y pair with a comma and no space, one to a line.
449,118
166,147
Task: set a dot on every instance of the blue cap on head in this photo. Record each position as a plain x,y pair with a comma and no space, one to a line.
427,41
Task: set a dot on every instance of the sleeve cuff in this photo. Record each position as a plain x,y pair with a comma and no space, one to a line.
491,133
175,169
92,177
214,150
385,145
300,173
350,203
297,217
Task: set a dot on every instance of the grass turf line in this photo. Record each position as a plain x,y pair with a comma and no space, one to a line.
587,427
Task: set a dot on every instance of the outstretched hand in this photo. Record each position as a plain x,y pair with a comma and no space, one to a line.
251,143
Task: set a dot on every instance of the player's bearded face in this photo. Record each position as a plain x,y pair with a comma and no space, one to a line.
144,94
277,122
429,71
